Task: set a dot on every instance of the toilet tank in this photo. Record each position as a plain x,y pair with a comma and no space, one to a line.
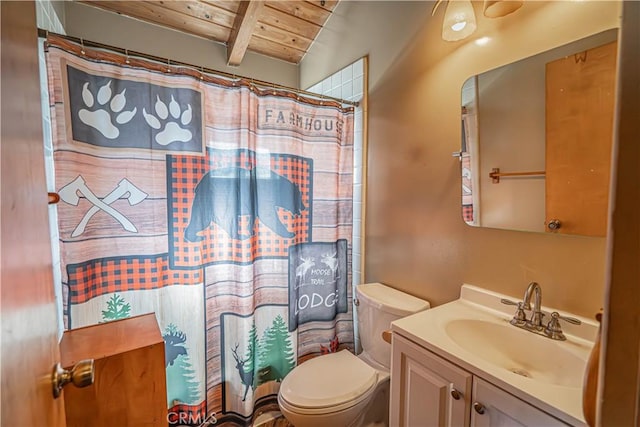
377,306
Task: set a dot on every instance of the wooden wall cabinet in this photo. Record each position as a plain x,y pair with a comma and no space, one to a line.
580,101
427,390
129,388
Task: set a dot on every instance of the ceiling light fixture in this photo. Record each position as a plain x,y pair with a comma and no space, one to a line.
500,8
459,19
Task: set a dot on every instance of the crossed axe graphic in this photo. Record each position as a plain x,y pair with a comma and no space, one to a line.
71,192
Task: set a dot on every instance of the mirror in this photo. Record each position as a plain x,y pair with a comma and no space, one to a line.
536,140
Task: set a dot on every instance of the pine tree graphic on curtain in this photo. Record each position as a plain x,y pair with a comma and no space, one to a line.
117,308
267,359
276,357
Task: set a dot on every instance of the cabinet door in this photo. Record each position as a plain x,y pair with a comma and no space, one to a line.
426,390
497,408
580,92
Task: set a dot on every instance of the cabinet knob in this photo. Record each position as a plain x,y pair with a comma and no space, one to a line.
554,224
455,394
479,407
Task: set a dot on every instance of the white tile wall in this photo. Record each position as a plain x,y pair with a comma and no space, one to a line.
348,84
46,18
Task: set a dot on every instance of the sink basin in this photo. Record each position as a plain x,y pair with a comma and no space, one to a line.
518,351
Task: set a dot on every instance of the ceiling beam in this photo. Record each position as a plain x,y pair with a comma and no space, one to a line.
246,18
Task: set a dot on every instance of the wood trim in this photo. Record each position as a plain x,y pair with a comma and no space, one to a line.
618,385
242,30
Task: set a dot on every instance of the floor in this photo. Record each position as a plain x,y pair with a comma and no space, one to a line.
272,419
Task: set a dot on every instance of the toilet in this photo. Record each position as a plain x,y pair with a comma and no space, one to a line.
341,389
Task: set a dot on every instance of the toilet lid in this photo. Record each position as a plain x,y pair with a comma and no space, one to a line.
328,381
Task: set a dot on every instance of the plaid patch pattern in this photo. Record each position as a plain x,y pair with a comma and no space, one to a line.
184,172
101,276
187,415
467,213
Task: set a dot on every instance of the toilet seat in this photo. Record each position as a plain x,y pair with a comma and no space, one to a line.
328,383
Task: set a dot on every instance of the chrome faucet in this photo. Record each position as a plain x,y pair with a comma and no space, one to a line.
535,321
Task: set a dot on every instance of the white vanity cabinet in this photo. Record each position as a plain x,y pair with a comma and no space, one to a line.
495,407
427,390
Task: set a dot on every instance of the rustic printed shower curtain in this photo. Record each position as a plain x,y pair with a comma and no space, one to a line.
223,208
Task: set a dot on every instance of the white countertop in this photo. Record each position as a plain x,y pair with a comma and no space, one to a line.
428,329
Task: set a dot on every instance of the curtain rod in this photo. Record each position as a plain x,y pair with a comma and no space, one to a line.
44,33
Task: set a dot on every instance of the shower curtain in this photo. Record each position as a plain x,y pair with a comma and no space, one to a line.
223,207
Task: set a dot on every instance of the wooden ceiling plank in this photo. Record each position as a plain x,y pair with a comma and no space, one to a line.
201,10
228,5
281,36
287,22
325,4
154,13
303,10
275,50
243,27
282,29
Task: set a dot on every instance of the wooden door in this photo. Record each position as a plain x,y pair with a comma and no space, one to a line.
580,91
29,323
426,390
493,407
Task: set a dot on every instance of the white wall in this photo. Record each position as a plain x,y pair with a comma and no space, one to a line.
109,28
379,29
50,16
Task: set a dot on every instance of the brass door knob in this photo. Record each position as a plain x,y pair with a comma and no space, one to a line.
81,375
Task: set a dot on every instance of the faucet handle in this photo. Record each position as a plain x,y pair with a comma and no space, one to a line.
519,318
572,320
553,329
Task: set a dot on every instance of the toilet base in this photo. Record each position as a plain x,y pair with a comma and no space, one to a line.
377,413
